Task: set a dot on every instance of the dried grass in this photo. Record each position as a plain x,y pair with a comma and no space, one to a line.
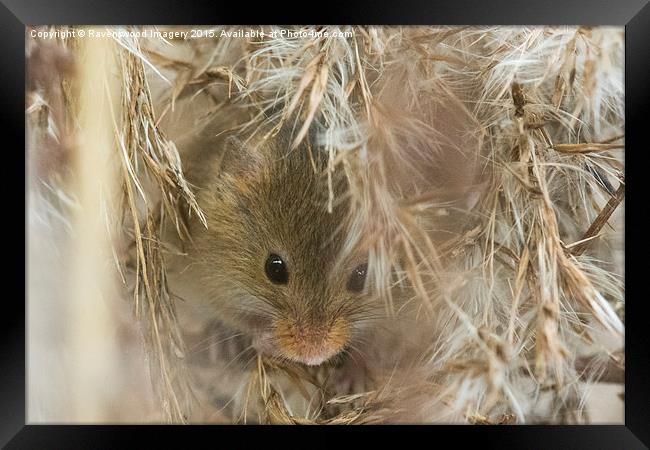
519,124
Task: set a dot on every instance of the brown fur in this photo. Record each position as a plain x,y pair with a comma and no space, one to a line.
260,197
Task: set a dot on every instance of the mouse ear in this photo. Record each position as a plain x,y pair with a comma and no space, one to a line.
239,158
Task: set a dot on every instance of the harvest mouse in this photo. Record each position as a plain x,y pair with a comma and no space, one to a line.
269,263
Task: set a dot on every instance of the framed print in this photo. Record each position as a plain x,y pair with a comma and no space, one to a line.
404,216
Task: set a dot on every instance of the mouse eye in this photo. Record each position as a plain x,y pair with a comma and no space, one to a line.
358,278
276,269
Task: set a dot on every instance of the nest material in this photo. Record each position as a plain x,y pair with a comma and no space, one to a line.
491,158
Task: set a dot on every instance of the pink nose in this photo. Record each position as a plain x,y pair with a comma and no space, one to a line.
314,357
311,345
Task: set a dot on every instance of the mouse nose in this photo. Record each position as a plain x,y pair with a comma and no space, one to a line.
309,343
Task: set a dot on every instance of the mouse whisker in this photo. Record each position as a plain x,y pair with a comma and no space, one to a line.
234,359
204,344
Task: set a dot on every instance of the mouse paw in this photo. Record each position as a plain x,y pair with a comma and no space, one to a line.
349,378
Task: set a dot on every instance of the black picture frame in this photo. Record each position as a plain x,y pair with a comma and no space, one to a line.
633,14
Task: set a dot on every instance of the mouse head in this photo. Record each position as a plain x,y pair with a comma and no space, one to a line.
270,259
